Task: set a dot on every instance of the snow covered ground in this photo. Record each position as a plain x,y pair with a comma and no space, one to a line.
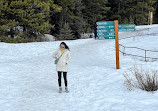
28,80
145,38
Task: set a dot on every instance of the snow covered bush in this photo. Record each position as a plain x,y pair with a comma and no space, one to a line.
145,80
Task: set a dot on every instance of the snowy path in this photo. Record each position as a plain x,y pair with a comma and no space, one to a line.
29,81
32,82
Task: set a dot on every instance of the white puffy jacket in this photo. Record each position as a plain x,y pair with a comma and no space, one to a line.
64,60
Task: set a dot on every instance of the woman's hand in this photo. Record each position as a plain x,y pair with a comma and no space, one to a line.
56,58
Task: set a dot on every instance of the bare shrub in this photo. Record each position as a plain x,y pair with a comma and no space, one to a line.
144,80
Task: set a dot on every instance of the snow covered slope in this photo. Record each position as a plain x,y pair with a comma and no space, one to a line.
28,80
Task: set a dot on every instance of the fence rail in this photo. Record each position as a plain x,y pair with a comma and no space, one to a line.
145,50
154,34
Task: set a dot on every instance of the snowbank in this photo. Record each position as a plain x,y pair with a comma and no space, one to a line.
29,81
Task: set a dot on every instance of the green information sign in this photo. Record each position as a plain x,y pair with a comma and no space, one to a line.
105,30
127,27
105,23
109,37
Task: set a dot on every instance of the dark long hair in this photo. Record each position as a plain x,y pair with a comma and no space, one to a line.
66,47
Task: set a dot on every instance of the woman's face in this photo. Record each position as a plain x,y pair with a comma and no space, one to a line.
62,46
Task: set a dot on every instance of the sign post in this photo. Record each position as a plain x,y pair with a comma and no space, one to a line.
117,44
151,19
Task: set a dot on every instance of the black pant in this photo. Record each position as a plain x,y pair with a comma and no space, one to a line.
65,78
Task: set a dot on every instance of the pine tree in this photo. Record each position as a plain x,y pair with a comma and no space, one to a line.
156,13
127,9
113,13
125,21
131,20
65,15
79,22
95,10
7,21
142,11
32,15
66,33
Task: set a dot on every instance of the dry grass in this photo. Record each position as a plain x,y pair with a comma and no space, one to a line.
144,80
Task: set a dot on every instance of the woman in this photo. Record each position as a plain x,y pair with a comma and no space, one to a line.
63,56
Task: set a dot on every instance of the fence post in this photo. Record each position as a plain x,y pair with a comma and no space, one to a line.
124,51
145,56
